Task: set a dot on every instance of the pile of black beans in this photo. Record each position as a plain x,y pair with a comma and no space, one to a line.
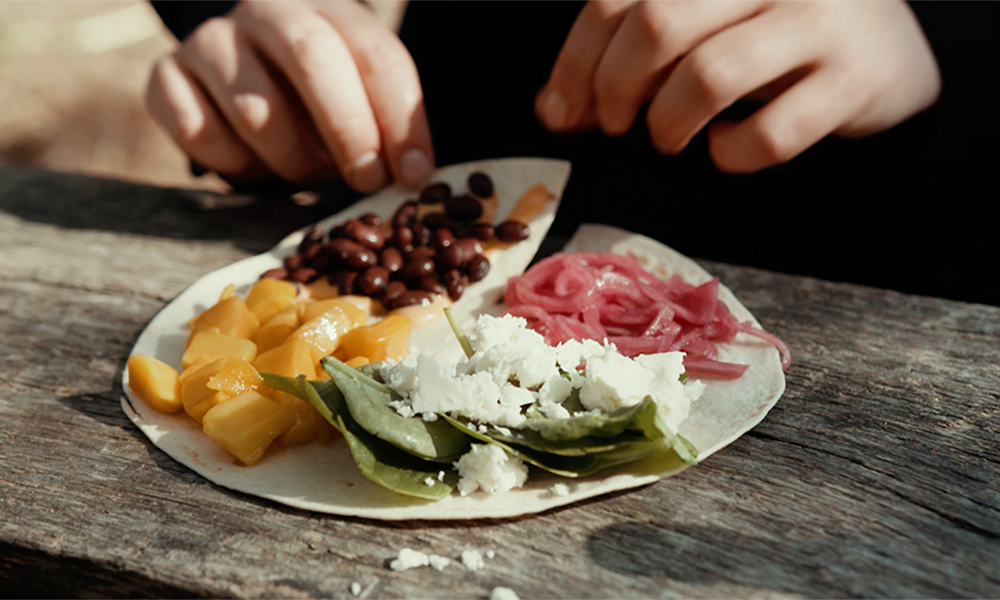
406,264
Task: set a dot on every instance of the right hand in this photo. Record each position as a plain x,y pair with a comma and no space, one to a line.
301,90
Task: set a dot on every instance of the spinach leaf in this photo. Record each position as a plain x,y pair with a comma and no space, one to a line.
368,403
640,418
377,460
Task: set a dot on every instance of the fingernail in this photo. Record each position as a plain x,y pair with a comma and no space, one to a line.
415,167
254,110
367,172
554,110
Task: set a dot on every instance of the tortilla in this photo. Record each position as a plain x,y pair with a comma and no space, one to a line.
325,479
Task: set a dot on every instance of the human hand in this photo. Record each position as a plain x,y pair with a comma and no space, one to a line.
850,68
296,89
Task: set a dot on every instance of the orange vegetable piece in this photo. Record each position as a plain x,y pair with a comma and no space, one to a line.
195,394
322,333
154,382
211,345
229,317
270,296
246,425
291,359
387,339
274,333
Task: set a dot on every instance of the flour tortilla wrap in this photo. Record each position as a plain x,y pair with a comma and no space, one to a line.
325,479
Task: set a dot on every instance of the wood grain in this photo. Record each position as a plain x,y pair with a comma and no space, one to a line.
876,475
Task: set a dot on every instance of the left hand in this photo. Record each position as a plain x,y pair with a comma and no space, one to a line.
849,68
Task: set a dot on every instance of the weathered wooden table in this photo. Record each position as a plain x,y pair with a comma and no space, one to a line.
876,475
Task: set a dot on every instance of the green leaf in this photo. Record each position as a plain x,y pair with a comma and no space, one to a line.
377,460
640,418
368,403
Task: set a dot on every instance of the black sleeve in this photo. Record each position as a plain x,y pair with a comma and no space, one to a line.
963,38
183,16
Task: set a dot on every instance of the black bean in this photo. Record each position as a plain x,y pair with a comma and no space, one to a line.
429,284
278,273
373,280
391,259
512,231
463,208
370,219
443,238
304,275
455,281
478,267
342,249
392,291
435,221
435,193
482,231
402,238
360,261
413,298
416,266
421,235
347,283
405,215
293,262
481,185
366,235
310,250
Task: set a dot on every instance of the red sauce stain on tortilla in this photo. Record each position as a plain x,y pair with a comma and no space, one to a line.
346,483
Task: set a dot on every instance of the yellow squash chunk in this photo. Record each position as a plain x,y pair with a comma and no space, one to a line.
212,345
387,339
276,331
230,317
269,297
246,425
310,310
195,394
307,421
235,377
322,333
154,382
357,361
227,292
291,359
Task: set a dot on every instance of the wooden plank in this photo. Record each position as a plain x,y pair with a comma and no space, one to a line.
876,475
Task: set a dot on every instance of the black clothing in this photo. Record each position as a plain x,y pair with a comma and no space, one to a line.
907,209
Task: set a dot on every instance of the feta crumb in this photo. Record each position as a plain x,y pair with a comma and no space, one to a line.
429,481
489,468
490,554
502,593
473,560
440,475
409,559
559,489
355,588
439,562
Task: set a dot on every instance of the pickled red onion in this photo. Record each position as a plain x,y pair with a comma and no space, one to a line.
610,296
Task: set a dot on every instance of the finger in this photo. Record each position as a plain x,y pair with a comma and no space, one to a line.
723,69
307,49
390,78
253,104
801,116
176,100
569,90
652,36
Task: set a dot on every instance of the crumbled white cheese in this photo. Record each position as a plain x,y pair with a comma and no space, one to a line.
439,562
489,468
355,588
473,560
559,489
440,475
502,593
490,554
409,559
429,481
